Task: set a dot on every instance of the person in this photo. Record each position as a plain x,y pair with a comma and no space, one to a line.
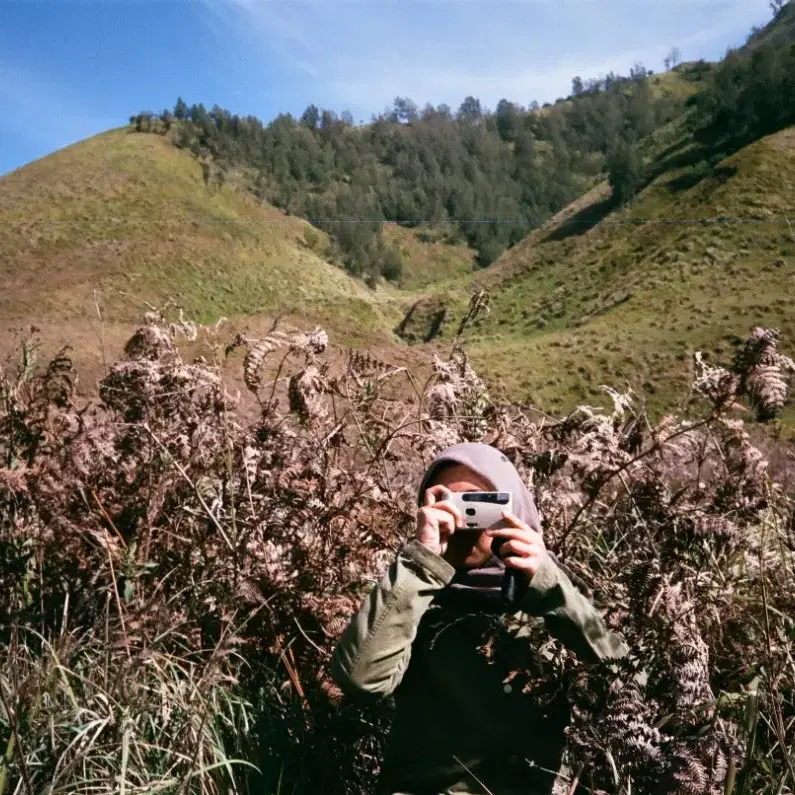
459,725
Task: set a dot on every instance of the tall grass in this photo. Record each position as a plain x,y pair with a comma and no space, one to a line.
173,578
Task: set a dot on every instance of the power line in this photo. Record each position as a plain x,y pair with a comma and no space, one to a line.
508,221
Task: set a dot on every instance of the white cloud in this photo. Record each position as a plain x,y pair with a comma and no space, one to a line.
360,55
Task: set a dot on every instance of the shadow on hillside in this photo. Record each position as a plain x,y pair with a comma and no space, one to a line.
400,330
405,329
701,154
584,220
436,323
700,172
677,156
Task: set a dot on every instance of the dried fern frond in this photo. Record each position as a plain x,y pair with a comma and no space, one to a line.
255,357
763,372
305,392
186,327
177,555
363,367
479,302
60,379
716,383
311,344
151,342
621,402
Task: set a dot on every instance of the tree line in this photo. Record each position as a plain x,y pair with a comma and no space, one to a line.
482,177
750,94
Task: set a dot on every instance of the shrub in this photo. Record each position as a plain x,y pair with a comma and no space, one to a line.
173,578
391,264
488,253
625,171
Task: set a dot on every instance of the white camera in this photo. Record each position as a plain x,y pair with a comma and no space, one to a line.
481,510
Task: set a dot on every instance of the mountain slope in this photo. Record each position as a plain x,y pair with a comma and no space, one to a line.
427,259
122,221
780,31
607,297
131,213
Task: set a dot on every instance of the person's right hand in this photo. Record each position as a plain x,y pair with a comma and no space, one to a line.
437,520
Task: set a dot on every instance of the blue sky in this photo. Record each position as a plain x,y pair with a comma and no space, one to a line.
72,68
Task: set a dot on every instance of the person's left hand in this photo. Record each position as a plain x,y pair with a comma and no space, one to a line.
524,548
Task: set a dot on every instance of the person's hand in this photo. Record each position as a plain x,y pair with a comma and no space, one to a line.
437,520
524,548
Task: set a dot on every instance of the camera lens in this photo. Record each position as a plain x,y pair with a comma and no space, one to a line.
470,511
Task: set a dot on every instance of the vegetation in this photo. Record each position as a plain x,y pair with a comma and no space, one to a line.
488,177
780,31
610,295
122,219
176,567
174,577
749,95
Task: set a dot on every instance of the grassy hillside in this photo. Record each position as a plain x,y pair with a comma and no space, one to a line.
427,258
592,297
123,220
600,296
132,214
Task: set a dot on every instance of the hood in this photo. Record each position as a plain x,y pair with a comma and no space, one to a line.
492,466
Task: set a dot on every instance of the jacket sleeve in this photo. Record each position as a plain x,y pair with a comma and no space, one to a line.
569,615
374,651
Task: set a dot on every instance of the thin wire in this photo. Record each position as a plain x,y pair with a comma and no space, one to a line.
520,221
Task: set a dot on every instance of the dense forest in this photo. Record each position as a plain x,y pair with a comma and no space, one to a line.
750,94
474,175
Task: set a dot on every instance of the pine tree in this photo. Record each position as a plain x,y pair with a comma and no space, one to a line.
625,170
311,117
180,110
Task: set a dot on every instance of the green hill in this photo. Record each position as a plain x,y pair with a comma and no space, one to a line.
427,259
488,177
132,214
625,296
125,219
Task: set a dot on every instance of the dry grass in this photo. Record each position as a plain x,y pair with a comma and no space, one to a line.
174,574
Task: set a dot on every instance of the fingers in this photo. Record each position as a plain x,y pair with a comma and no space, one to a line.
523,548
529,565
520,534
447,525
436,497
436,494
520,548
514,521
516,529
523,556
448,507
443,515
435,517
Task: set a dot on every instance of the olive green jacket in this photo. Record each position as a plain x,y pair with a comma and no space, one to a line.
458,727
